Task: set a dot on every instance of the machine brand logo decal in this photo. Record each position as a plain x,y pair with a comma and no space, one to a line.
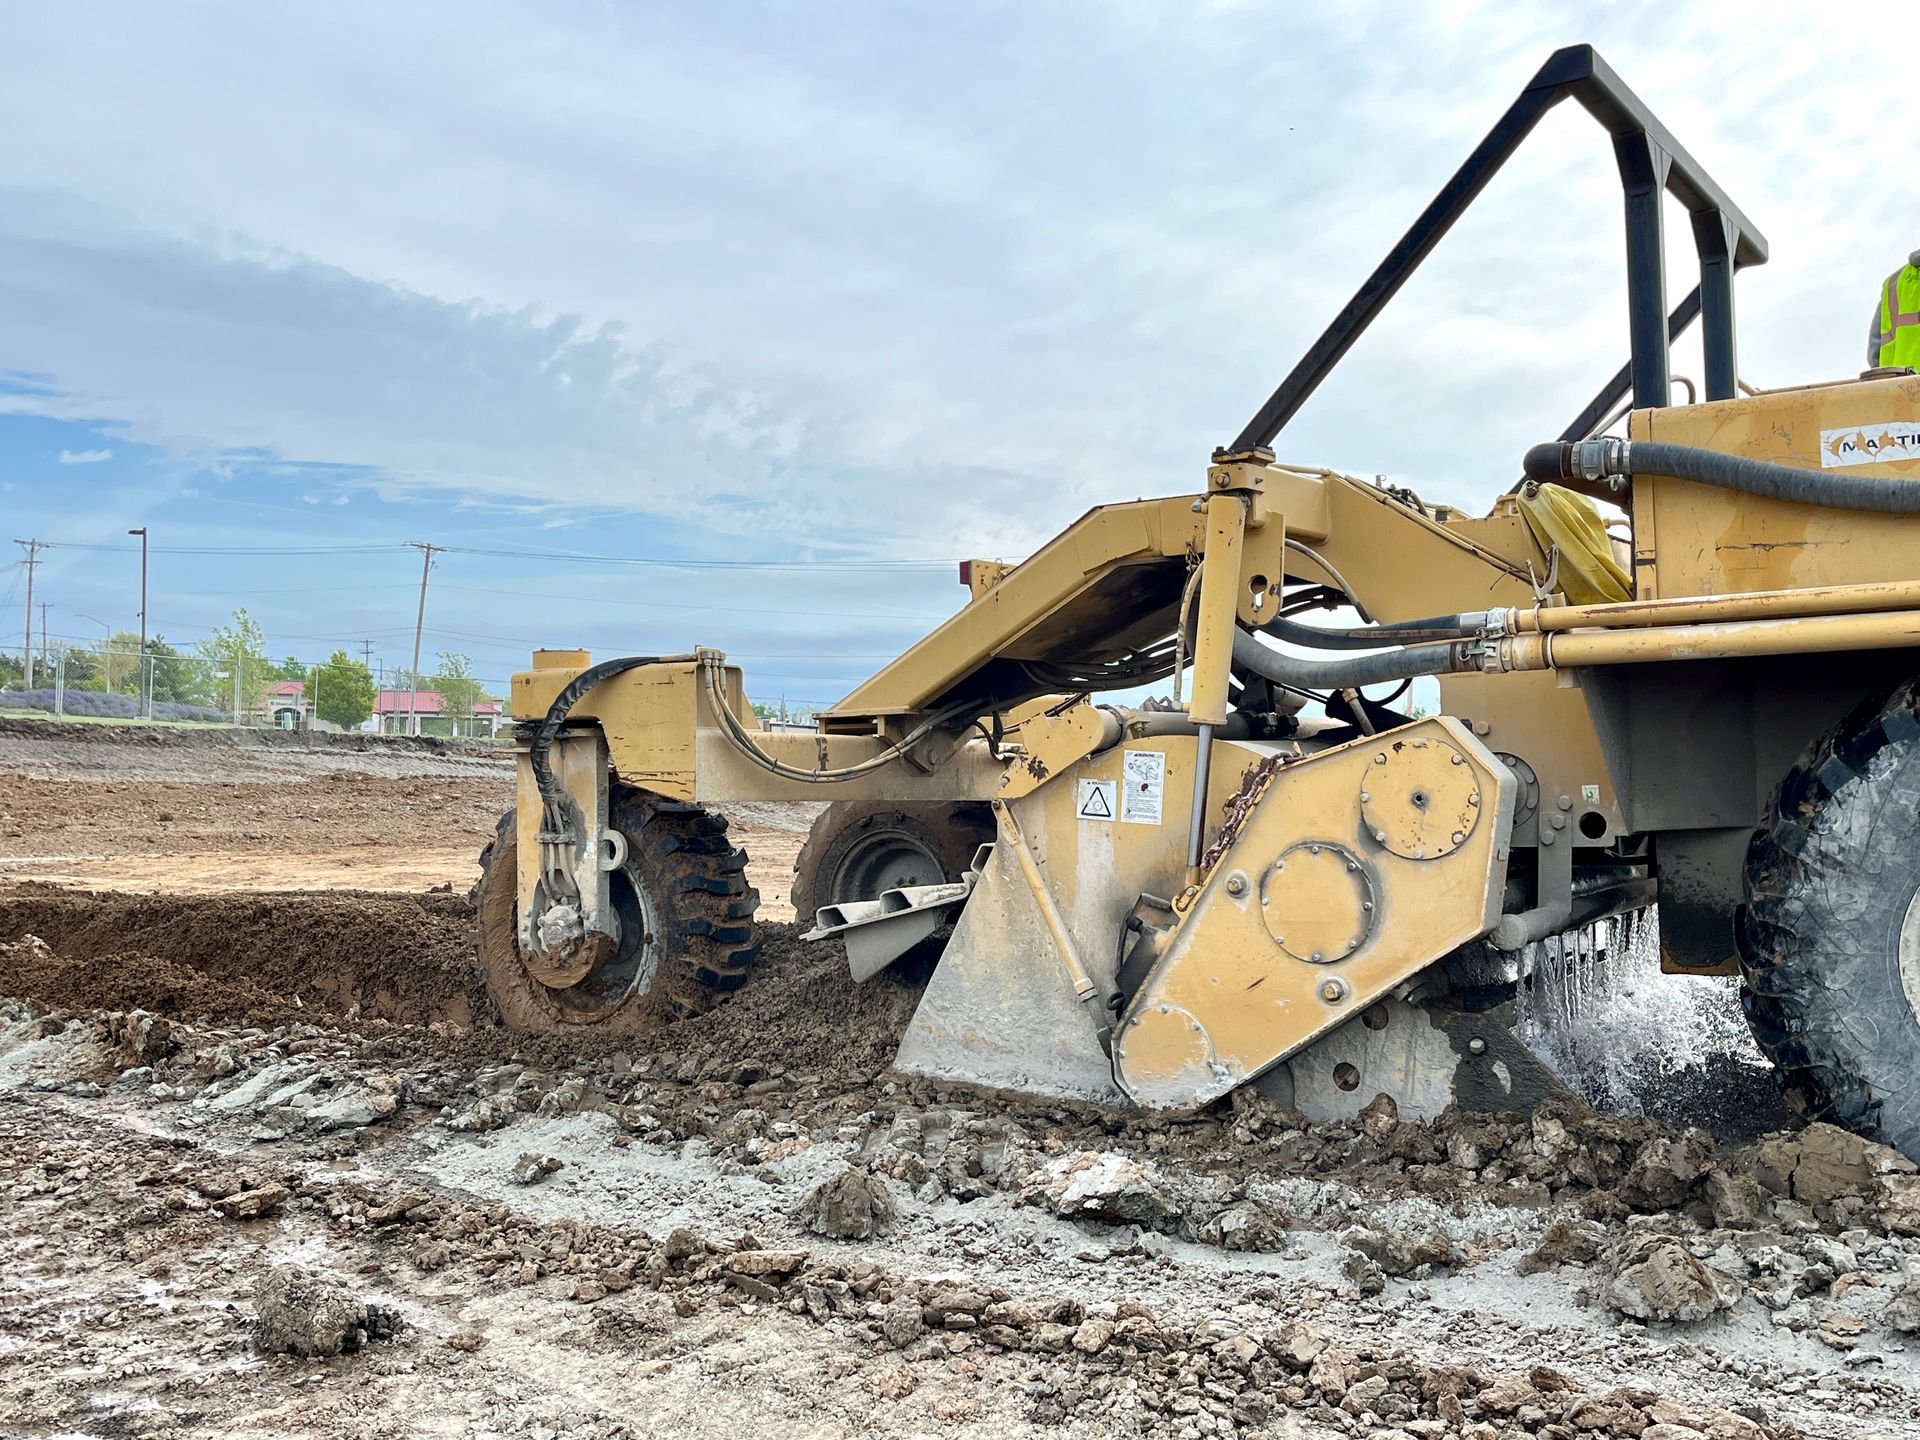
1143,778
1096,800
1870,444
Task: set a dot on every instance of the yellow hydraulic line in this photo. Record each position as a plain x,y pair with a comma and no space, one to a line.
1758,605
1083,986
1711,642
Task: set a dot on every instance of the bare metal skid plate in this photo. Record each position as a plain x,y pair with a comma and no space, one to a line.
1000,1010
1426,1057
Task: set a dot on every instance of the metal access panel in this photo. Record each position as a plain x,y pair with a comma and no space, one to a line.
1355,869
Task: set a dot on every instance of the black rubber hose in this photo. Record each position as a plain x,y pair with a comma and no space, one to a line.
1824,488
552,792
1352,671
1374,637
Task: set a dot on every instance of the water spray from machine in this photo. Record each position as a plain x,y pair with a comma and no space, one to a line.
1599,1011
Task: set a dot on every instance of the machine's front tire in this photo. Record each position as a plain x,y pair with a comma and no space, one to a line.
687,929
1830,932
858,848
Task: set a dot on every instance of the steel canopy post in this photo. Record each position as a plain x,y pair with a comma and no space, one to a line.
1715,239
1644,167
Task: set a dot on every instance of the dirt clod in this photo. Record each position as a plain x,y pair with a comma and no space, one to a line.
852,1205
252,1204
1655,1277
298,1311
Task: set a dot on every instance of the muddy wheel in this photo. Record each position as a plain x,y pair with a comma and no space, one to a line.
1830,933
857,849
686,926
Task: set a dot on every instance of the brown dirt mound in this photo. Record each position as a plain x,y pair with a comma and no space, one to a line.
801,1009
268,958
324,956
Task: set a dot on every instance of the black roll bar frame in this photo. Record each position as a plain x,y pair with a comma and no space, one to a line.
1651,163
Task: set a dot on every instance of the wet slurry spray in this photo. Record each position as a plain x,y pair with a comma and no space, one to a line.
1634,1041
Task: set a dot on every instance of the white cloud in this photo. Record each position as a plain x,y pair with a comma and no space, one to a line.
923,280
84,457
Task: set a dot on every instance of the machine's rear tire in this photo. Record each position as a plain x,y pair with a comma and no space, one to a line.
688,933
858,848
1830,933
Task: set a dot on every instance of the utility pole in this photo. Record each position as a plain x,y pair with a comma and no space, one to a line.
419,622
366,653
146,679
44,652
32,548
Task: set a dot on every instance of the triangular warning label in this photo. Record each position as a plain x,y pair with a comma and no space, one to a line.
1094,804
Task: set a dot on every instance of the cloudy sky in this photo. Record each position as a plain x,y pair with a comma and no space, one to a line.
844,291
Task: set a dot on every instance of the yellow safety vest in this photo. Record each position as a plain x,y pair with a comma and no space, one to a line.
1900,318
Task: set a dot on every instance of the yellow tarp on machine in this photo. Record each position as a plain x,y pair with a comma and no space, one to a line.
1561,519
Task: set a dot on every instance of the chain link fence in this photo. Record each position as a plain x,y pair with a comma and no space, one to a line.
113,684
68,682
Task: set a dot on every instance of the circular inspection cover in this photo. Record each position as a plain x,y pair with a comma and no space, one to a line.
1420,798
1317,900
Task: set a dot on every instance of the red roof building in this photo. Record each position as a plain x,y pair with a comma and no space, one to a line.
425,702
394,710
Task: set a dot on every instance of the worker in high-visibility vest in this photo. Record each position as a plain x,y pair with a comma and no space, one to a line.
1894,336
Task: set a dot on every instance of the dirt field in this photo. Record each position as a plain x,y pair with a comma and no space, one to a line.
267,1167
197,811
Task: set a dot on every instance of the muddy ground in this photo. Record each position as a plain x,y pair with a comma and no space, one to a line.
267,1167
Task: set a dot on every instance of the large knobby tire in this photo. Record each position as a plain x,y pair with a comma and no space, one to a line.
1830,932
858,848
686,923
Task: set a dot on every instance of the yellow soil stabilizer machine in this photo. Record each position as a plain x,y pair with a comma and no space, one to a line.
1283,876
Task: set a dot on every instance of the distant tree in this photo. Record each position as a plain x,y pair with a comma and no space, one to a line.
82,668
118,662
241,647
342,691
176,676
291,668
13,672
459,690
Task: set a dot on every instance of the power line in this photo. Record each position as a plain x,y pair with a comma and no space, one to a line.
371,549
689,564
578,557
666,605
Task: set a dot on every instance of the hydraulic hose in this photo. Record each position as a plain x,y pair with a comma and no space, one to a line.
1375,637
1353,596
1607,457
961,715
1350,672
552,793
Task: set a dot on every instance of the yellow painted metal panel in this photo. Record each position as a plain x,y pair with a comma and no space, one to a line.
1227,1000
1707,541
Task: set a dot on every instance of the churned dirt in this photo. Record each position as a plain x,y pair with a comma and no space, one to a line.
269,1166
336,955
